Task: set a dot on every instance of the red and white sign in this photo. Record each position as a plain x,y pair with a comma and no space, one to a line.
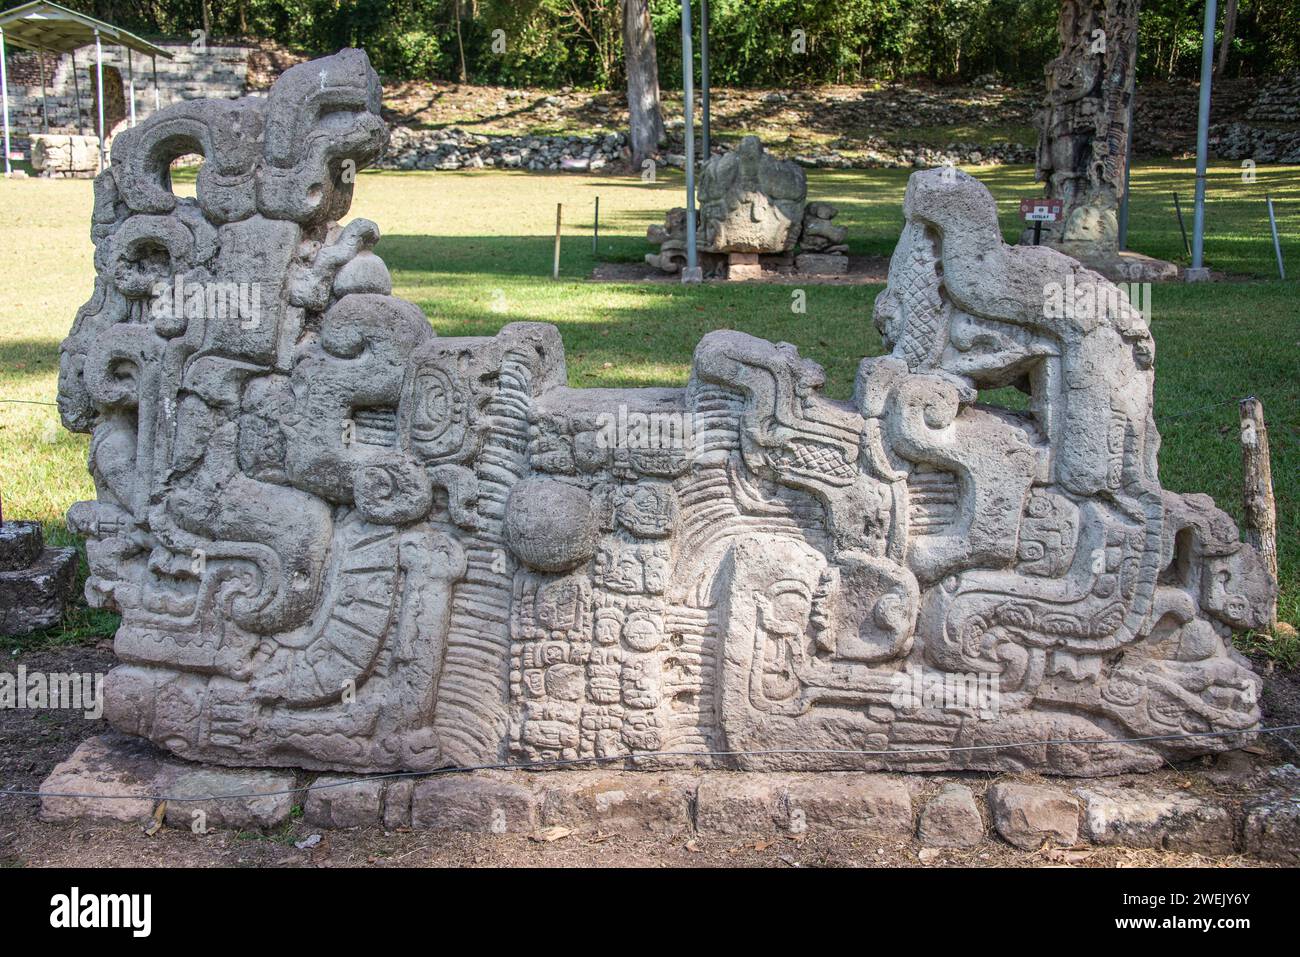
1041,210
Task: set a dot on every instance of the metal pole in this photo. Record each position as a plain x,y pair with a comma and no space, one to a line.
691,272
130,72
157,97
45,100
4,95
99,85
595,229
76,87
704,79
1198,271
1277,246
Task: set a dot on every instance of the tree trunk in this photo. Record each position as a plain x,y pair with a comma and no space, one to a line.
645,118
205,10
460,45
1229,28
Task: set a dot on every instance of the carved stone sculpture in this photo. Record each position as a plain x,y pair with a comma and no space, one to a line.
1083,137
340,541
751,202
753,212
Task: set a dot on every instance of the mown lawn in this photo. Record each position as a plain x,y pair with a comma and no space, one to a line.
474,251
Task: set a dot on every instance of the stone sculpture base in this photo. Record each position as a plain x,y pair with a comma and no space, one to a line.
1134,267
941,811
35,581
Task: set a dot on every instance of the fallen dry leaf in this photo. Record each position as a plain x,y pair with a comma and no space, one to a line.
1067,855
552,834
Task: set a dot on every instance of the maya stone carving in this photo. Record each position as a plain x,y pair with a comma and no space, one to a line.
338,540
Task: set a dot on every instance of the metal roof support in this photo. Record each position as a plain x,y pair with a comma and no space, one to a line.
130,84
4,94
76,88
45,98
99,84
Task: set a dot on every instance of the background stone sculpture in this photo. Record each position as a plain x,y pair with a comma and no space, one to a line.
339,541
753,211
1083,137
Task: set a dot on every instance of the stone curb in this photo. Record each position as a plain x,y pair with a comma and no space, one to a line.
938,811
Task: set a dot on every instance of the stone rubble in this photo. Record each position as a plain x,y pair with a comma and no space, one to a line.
456,149
35,581
1027,816
1241,141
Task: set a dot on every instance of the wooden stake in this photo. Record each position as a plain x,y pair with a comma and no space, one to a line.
1261,509
555,269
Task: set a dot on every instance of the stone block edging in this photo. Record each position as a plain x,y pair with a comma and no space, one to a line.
936,811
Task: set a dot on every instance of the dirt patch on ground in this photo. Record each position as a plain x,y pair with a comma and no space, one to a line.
1280,702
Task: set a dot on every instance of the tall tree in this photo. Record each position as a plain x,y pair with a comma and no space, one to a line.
1229,28
646,119
460,46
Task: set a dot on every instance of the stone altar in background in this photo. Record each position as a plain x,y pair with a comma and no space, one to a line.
754,210
340,541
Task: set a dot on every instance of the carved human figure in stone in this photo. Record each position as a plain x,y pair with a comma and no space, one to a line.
1083,130
751,202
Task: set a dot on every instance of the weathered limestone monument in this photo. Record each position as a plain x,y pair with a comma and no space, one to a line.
754,209
1083,137
340,541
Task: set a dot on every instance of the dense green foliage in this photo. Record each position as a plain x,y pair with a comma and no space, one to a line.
753,42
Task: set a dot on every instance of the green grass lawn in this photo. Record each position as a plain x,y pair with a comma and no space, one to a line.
474,251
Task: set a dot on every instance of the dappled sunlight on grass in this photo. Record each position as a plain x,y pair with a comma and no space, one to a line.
473,250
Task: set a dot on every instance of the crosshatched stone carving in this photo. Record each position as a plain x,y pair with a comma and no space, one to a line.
340,541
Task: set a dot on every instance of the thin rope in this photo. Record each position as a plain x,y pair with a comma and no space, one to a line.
567,762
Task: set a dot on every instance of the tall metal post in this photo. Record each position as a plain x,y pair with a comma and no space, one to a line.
704,79
1198,272
692,272
76,88
45,98
130,72
99,86
157,95
4,95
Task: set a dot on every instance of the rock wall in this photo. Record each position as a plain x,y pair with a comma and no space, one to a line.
215,72
339,541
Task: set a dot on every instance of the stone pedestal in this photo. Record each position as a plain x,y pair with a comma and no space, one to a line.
116,777
821,264
744,266
35,581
